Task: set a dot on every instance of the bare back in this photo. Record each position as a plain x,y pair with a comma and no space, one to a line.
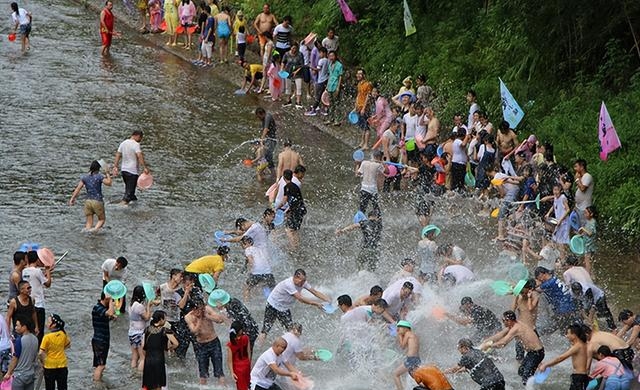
528,337
288,159
413,345
433,129
612,341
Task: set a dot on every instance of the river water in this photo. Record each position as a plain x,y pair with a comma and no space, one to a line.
64,106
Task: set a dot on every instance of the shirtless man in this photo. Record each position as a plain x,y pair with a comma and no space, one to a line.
526,335
410,342
506,140
200,321
19,262
526,304
579,357
618,346
375,293
287,159
265,22
433,130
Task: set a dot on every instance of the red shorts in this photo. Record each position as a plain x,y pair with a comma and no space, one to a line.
106,38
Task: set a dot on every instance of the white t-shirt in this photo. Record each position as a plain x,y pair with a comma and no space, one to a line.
421,130
323,70
129,149
281,298
370,171
471,148
580,275
169,303
258,234
356,315
109,266
261,373
411,123
281,185
459,155
36,279
331,44
461,273
136,323
261,263
294,346
22,17
585,199
241,37
392,294
473,108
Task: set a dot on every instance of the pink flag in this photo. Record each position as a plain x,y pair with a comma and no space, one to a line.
349,17
607,135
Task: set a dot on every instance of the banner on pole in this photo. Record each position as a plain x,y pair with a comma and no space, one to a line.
349,17
409,27
607,134
511,111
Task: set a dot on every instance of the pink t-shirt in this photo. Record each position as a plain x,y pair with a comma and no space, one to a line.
609,366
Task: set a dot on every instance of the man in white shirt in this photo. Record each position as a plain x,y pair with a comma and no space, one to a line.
268,367
331,41
132,160
459,160
38,281
113,269
584,188
246,228
396,295
370,171
259,267
283,297
473,106
295,350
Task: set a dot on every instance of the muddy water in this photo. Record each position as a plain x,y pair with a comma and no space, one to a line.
64,106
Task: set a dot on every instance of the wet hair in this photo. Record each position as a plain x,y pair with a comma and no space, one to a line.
376,290
14,7
579,331
260,111
582,162
377,154
625,314
587,330
287,142
158,316
345,300
174,271
531,284
234,330
22,283
32,257
300,272
465,342
287,174
444,249
246,240
466,300
509,315
239,222
138,294
18,257
138,132
222,250
122,261
267,34
28,322
539,271
605,351
295,326
572,260
576,287
299,169
504,126
94,167
381,303
268,212
294,44
408,285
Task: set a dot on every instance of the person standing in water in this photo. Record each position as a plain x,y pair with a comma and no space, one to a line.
408,341
94,204
132,160
107,21
579,357
22,21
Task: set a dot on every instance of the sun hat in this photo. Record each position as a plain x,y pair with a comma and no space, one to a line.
407,80
310,38
218,297
403,324
428,229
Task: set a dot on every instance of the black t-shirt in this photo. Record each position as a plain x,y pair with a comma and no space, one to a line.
481,368
239,312
371,233
269,123
294,197
484,320
425,178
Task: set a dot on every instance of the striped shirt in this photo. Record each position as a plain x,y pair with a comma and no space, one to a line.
100,320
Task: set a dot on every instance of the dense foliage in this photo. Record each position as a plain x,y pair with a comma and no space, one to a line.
560,59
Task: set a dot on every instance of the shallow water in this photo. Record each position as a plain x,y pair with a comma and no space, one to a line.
64,106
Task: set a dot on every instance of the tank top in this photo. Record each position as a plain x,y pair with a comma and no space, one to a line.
13,289
23,311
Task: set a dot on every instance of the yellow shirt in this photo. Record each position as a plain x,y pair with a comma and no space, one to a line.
238,23
54,344
206,265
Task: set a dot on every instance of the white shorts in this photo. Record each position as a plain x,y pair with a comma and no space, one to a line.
207,48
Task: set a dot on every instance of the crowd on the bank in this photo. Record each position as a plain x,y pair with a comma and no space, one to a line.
543,207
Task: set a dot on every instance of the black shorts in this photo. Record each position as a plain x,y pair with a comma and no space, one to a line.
579,381
258,77
530,364
100,352
266,279
306,74
423,207
294,219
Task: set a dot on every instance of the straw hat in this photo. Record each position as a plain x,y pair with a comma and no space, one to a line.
310,38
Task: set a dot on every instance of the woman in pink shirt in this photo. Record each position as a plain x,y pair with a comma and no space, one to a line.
616,376
383,116
187,14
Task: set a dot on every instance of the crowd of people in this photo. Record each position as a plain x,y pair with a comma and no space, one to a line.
543,207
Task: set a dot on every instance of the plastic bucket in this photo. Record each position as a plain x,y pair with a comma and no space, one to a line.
115,289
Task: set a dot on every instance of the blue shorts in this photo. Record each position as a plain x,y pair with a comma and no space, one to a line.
135,340
25,29
5,359
412,362
209,351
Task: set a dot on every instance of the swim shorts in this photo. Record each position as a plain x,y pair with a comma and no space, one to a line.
135,340
412,362
100,352
294,219
267,279
92,206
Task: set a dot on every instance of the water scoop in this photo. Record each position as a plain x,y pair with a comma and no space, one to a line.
279,218
324,354
359,217
541,376
353,117
577,244
536,201
501,287
207,282
358,155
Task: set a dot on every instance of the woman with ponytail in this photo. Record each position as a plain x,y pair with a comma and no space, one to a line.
53,356
239,356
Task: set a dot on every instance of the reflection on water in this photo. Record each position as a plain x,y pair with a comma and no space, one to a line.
64,106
